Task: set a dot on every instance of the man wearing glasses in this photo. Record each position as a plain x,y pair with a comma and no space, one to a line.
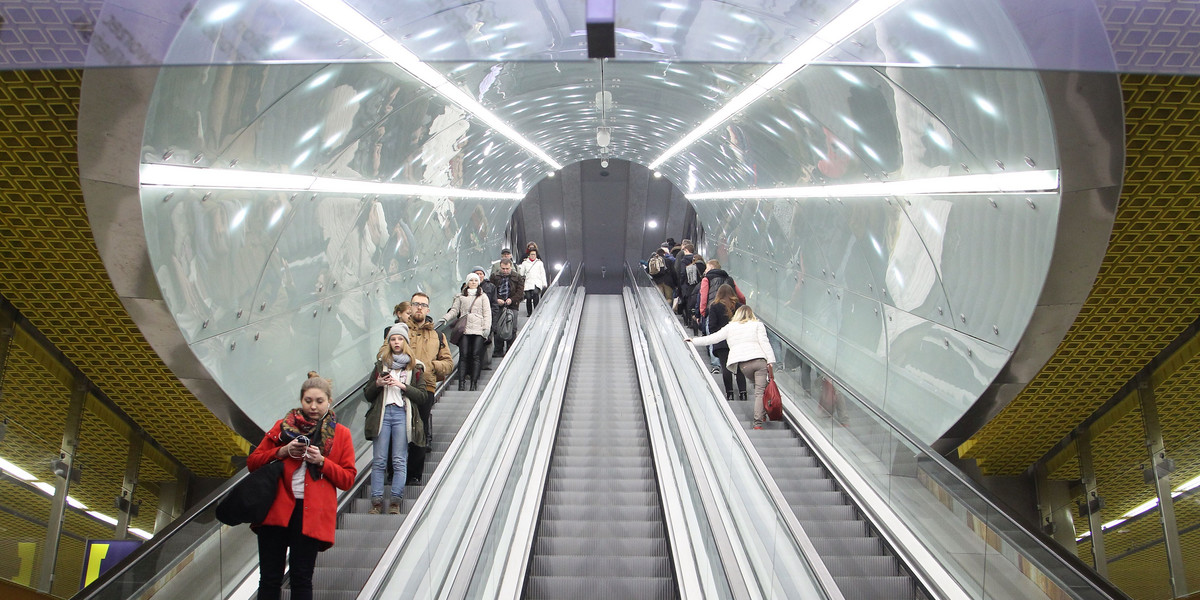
431,348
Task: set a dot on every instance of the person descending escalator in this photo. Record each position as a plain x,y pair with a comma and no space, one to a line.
318,459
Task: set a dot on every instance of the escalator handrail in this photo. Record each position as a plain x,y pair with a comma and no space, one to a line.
688,571
808,549
401,538
559,366
995,505
164,535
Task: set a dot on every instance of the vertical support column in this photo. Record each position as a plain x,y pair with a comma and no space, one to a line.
172,496
1054,509
62,485
1091,501
1160,472
125,505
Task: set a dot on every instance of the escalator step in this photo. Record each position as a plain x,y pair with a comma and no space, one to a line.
601,512
829,529
612,546
794,493
848,546
601,529
602,450
601,472
365,522
349,556
861,566
562,498
896,586
836,512
342,578
600,587
643,462
597,565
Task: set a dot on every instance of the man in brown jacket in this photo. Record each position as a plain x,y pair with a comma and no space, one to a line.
431,348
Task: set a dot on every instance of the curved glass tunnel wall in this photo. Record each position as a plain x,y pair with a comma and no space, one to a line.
917,301
265,284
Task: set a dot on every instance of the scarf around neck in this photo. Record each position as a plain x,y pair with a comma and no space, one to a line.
399,362
320,432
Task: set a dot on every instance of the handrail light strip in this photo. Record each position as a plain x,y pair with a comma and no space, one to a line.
998,183
346,18
230,179
855,17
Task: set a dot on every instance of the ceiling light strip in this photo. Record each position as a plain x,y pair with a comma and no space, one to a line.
346,18
175,176
999,183
855,17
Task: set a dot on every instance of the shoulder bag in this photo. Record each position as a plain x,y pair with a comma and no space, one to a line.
250,499
460,324
772,400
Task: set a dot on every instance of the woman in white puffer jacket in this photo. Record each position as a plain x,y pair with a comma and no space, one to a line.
749,350
474,306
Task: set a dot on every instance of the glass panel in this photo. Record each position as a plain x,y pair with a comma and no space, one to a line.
439,533
775,559
985,552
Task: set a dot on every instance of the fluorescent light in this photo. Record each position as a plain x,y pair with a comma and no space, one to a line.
361,28
1189,484
16,471
176,176
142,533
999,183
76,504
45,487
855,17
1141,508
1113,523
102,517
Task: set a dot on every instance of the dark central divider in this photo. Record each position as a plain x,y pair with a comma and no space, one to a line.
601,532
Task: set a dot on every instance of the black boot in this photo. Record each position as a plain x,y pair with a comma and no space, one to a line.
476,364
729,395
461,384
742,396
474,386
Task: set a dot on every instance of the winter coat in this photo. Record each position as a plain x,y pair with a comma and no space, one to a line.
320,495
713,278
747,341
718,317
534,274
416,396
516,286
431,348
478,313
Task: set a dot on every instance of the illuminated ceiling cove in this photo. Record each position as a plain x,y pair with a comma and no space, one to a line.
895,207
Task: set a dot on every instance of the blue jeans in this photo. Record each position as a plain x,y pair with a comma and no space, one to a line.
393,433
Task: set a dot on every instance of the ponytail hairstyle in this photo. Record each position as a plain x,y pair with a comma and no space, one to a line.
745,314
316,381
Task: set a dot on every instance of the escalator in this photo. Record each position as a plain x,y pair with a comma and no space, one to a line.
859,560
601,532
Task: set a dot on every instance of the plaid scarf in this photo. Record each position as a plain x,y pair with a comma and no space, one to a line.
320,433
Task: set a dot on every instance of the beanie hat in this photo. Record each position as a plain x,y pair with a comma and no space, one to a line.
399,329
471,276
480,269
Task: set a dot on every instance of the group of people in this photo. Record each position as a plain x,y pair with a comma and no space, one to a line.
709,300
318,451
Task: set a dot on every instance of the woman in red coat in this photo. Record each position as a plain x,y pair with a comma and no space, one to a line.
318,457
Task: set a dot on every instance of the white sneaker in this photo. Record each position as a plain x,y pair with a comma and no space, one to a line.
715,370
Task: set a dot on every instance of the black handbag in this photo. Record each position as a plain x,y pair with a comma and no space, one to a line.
250,499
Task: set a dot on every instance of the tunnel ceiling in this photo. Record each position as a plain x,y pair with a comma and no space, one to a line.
271,193
36,197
